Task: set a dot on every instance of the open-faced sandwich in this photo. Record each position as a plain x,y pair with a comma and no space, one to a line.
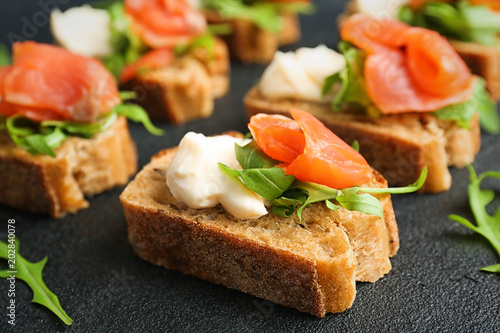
472,27
402,92
254,29
63,130
161,50
286,216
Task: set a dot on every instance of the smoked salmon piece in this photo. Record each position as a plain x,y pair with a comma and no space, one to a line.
164,23
408,68
47,82
309,149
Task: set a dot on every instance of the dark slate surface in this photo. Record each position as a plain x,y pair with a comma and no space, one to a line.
435,285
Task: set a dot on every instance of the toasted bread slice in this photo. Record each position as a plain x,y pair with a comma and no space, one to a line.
312,268
399,146
57,186
185,90
249,43
483,60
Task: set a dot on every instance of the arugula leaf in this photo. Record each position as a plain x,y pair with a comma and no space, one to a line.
459,20
5,58
137,114
206,41
399,190
44,137
353,90
480,102
486,225
251,156
364,203
264,15
31,273
269,183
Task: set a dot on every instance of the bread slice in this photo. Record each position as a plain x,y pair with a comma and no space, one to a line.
249,43
312,268
185,90
483,60
57,186
399,146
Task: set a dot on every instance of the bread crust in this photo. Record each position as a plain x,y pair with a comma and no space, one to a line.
266,257
58,186
399,146
249,43
184,90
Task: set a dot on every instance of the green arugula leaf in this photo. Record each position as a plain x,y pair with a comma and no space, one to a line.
459,20
250,156
355,145
31,273
399,190
137,114
486,225
5,58
206,41
269,183
127,95
480,102
364,203
352,92
264,15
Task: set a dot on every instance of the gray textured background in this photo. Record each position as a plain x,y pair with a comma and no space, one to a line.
435,285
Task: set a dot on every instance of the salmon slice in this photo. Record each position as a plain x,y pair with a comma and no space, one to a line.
407,68
48,82
153,59
164,23
309,149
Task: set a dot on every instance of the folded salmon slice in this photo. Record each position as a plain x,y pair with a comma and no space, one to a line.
408,68
311,151
47,82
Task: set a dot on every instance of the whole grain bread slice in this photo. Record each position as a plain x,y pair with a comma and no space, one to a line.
311,267
399,146
58,186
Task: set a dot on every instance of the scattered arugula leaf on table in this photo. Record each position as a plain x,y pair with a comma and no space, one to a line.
486,225
31,273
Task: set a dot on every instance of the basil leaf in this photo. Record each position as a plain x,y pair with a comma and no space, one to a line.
486,225
399,190
31,273
5,58
250,156
137,114
269,183
364,203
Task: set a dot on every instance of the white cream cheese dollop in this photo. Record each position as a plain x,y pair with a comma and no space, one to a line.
380,9
300,74
83,30
195,178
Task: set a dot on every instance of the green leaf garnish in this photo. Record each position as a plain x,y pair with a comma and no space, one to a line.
206,41
400,190
31,273
137,114
5,58
269,183
352,90
44,137
480,102
486,225
365,203
250,156
127,95
264,15
459,20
